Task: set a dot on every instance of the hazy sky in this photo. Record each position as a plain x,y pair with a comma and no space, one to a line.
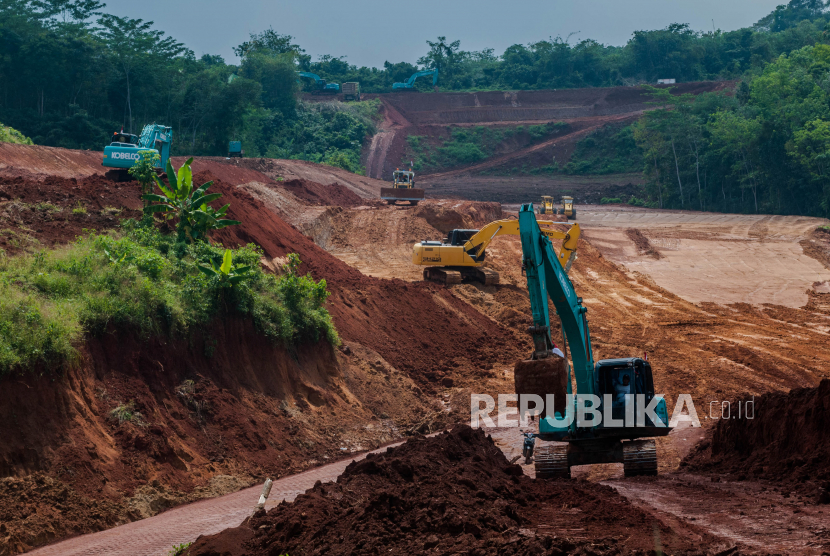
368,32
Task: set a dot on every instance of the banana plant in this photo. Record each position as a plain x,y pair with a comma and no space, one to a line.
196,217
227,273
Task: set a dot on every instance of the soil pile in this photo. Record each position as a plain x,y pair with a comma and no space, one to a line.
37,509
787,439
455,493
323,195
644,246
416,327
447,216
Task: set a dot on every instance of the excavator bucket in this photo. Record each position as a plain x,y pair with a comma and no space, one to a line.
542,377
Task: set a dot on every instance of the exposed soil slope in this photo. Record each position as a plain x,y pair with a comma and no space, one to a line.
454,493
586,109
252,408
785,437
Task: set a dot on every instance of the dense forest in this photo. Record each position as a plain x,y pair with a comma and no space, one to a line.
71,73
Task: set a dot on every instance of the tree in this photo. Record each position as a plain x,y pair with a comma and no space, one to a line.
132,42
268,42
811,148
442,56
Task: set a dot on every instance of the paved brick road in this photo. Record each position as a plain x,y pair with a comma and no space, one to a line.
155,536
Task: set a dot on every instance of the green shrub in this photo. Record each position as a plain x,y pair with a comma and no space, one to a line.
126,413
79,209
11,135
179,549
143,281
610,201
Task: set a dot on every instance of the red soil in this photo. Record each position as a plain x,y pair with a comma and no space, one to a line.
43,210
451,494
324,195
787,440
416,327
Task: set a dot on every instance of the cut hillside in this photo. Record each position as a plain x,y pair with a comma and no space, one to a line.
210,413
429,115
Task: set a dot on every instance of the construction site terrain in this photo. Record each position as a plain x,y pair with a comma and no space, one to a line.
725,306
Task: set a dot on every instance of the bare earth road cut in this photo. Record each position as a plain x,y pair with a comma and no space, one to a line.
721,258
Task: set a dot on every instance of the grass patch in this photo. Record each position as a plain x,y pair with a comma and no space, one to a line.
126,413
47,207
79,209
141,280
111,211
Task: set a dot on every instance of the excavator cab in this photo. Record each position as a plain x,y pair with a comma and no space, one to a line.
618,377
124,139
459,237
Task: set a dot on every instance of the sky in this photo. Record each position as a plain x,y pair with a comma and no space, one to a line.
369,32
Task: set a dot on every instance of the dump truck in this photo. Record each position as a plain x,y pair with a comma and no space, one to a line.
351,90
568,208
403,188
235,149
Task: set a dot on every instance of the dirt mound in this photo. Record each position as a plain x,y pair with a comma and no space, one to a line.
450,494
37,509
787,439
324,195
644,246
453,215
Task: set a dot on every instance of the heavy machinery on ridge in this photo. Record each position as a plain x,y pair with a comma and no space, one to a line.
321,87
403,188
461,255
624,387
409,84
123,152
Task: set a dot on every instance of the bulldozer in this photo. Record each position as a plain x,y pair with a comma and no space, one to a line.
461,255
623,387
568,209
403,188
547,206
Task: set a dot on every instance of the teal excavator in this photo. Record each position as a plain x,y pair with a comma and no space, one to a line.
409,84
621,391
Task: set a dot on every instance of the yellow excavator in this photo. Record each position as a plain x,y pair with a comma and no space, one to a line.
461,255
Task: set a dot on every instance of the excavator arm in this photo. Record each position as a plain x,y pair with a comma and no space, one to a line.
547,278
478,243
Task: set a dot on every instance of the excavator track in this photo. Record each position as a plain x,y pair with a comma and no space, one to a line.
640,458
442,276
487,276
551,461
